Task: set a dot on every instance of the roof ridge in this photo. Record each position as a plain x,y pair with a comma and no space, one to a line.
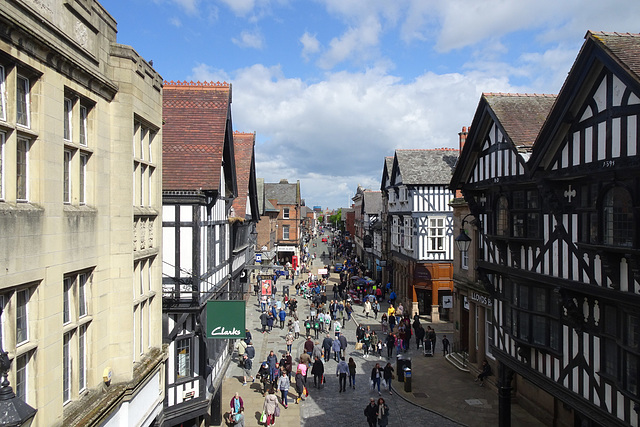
615,33
191,84
237,132
428,149
531,95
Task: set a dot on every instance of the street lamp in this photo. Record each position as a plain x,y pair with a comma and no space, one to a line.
463,241
13,411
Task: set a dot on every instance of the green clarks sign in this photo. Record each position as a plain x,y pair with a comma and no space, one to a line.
225,319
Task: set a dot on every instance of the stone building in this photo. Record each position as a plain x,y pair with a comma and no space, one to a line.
80,166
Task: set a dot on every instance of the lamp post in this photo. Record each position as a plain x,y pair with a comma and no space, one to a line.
13,411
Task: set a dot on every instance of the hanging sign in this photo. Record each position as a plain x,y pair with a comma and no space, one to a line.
225,319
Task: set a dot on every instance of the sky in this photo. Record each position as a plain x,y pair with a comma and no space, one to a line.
331,87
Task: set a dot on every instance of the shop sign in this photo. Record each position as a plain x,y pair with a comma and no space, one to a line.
265,286
447,301
465,303
225,319
258,258
481,299
286,248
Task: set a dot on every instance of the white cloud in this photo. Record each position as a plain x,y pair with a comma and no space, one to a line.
175,21
206,73
189,6
252,39
355,44
310,45
334,134
240,7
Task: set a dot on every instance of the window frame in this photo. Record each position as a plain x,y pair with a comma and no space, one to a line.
22,313
285,213
67,119
3,94
27,101
436,235
22,376
502,217
617,232
189,360
67,373
3,159
83,137
286,232
66,176
22,169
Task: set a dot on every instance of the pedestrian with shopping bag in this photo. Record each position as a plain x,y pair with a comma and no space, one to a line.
269,408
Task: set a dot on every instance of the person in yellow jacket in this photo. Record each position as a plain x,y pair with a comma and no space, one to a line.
391,310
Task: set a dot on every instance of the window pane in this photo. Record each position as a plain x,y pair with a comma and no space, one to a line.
22,325
83,125
610,358
540,300
82,296
3,100
1,165
22,101
618,218
67,119
22,177
66,368
66,312
540,330
183,351
21,377
631,373
84,158
502,220
82,358
532,199
632,336
67,177
533,227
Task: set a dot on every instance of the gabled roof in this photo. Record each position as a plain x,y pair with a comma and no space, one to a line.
244,144
197,117
619,52
283,192
519,115
372,203
422,166
386,172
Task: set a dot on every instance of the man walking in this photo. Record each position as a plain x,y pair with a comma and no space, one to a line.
342,370
247,370
326,346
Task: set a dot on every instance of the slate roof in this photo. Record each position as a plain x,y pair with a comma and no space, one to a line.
283,192
243,144
421,166
521,115
623,47
372,201
193,134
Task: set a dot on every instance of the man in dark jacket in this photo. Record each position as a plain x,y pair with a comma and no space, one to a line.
419,330
326,346
360,333
343,345
318,371
371,412
263,321
308,346
250,350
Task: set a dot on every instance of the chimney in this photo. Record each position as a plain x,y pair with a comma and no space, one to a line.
463,137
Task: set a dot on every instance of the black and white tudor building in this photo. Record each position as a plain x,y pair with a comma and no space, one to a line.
558,240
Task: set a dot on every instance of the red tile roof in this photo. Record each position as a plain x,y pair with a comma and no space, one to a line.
193,134
243,144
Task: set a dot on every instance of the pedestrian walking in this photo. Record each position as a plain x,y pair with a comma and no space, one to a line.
388,376
342,370
269,407
445,345
317,351
343,345
382,414
236,404
296,328
391,343
371,412
336,347
419,331
288,339
486,371
352,373
263,321
326,347
299,385
366,341
282,315
283,386
317,370
247,364
384,321
376,376
431,337
367,308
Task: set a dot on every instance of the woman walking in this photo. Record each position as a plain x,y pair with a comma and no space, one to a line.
388,376
383,413
289,340
269,407
283,386
376,376
384,321
352,373
299,386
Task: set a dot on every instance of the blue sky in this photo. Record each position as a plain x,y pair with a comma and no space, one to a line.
331,87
